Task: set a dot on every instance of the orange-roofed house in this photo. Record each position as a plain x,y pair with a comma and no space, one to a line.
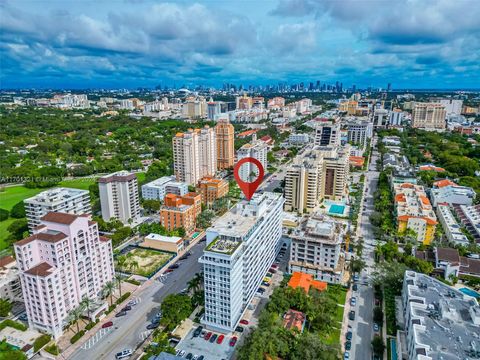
294,319
442,183
431,167
247,133
306,282
357,161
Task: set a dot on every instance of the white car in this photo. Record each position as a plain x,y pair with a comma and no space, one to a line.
124,354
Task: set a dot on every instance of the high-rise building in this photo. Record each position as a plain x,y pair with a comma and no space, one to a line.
194,154
256,149
275,103
224,132
327,134
119,196
213,108
157,189
380,117
63,261
195,107
429,116
241,246
350,107
452,106
10,285
336,168
395,117
358,132
316,249
244,102
72,201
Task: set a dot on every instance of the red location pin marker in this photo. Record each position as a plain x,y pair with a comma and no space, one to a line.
247,188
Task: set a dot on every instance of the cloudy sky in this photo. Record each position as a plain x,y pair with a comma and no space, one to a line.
117,43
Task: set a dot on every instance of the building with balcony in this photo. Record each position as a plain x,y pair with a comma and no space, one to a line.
241,247
256,149
446,191
10,286
63,261
212,189
181,211
224,132
451,228
157,189
429,116
72,201
119,196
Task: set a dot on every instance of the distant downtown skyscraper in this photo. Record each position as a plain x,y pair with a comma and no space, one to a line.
225,144
194,154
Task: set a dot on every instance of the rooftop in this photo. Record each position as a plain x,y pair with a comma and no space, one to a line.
56,195
157,237
306,281
117,176
319,227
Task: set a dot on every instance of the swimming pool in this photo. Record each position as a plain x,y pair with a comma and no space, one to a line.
337,209
470,292
393,347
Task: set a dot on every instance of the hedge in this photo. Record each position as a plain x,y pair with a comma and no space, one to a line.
133,281
77,336
12,324
52,349
91,325
40,342
110,309
123,298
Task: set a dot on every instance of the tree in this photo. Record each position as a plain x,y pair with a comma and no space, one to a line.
75,315
85,304
119,279
175,308
378,345
195,284
151,205
9,353
309,348
18,210
378,315
3,214
18,228
357,265
108,290
5,307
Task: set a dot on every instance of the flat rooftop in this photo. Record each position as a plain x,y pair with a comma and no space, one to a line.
56,195
158,237
319,227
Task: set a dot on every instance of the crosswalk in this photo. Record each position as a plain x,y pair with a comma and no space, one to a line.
144,334
96,338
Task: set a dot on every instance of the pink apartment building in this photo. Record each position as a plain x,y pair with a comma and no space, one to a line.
63,261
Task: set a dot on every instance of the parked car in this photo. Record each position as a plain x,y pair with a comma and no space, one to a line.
346,355
127,308
201,357
356,277
220,339
208,335
233,341
264,283
355,287
273,271
107,324
189,356
269,275
195,357
23,317
351,315
349,335
239,329
174,266
183,257
121,313
132,302
348,345
181,353
353,301
274,266
377,302
244,322
153,325
197,331
124,354
213,338
376,328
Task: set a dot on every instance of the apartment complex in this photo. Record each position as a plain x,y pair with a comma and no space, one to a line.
316,249
63,261
241,246
181,211
452,230
72,201
429,116
327,134
195,107
349,107
470,217
315,174
225,144
157,189
119,196
446,191
414,211
298,139
10,286
439,322
194,154
358,132
256,149
212,189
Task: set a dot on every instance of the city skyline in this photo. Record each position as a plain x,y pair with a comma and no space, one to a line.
411,44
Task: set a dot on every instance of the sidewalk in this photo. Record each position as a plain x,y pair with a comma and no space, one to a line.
74,347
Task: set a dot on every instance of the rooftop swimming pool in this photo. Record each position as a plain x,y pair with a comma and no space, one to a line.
470,292
336,209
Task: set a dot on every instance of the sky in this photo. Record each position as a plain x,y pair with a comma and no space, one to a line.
134,43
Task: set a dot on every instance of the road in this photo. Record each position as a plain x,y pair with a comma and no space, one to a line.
362,326
130,330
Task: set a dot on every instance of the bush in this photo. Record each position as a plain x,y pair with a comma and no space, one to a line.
41,341
133,281
77,336
18,210
90,325
3,214
110,309
52,349
123,298
12,324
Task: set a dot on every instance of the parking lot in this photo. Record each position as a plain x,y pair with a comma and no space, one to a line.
211,351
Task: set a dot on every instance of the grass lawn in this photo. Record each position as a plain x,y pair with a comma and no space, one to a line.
11,195
333,337
4,233
149,261
82,184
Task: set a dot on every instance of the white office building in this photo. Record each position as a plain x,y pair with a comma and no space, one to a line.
241,247
258,150
327,134
358,132
452,194
452,106
396,117
316,249
450,226
119,196
157,189
72,201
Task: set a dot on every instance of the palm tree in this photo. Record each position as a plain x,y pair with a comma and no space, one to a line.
196,282
121,261
86,303
74,315
108,290
133,265
118,279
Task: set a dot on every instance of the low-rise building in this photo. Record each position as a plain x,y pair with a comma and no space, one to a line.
446,191
212,189
72,201
316,249
164,243
157,189
298,139
180,211
294,320
470,218
306,282
451,228
414,211
10,286
438,321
